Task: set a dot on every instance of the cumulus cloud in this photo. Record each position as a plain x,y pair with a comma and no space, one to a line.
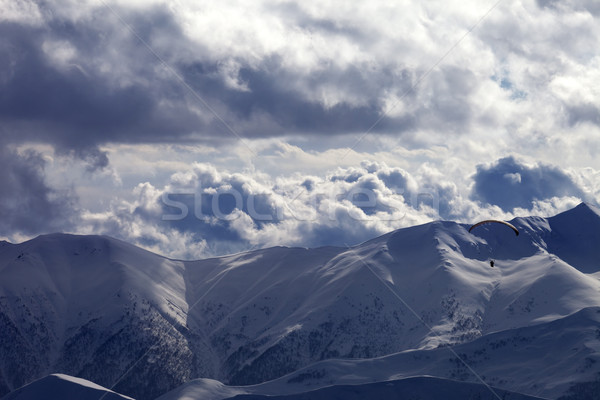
206,211
511,184
223,212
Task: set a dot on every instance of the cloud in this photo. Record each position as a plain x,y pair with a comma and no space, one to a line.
76,77
229,212
204,211
584,113
509,184
590,6
77,103
81,79
28,205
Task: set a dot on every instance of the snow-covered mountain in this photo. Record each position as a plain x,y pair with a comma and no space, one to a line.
417,301
542,360
89,307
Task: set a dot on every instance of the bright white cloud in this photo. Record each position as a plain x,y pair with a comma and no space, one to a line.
20,11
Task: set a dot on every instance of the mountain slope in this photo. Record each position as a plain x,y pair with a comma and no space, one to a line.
90,307
574,237
106,311
544,360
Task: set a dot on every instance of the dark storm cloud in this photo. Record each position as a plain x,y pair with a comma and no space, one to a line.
77,108
292,112
273,93
114,90
27,204
510,184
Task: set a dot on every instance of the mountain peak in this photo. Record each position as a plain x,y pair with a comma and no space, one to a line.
582,219
593,208
575,235
582,210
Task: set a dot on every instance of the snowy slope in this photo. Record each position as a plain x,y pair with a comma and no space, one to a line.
59,386
414,388
90,307
120,316
342,307
419,388
543,360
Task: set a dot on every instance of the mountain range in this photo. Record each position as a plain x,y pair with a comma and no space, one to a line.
416,313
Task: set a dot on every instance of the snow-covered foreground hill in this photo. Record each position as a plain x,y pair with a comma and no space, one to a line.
59,386
415,302
417,388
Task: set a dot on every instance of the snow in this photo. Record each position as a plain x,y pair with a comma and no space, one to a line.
79,381
61,386
547,354
204,389
387,309
415,388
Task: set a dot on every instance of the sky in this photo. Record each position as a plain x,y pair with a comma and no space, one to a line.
197,129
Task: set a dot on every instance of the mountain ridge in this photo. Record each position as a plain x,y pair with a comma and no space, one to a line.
483,355
107,311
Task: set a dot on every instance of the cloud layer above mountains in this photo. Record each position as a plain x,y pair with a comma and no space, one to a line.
203,211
